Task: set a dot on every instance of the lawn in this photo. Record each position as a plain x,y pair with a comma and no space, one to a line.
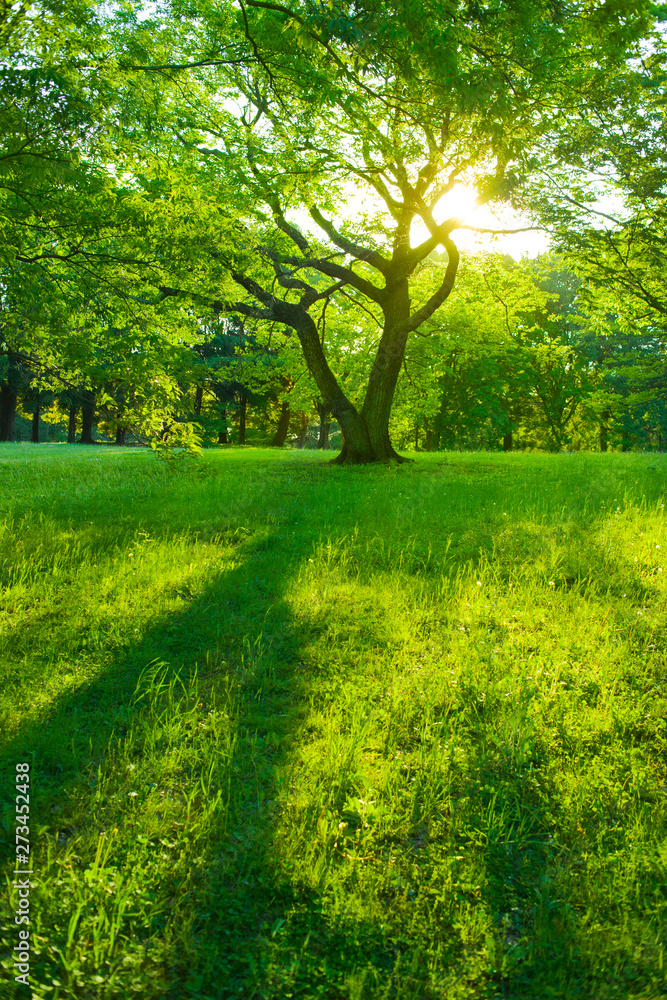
297,730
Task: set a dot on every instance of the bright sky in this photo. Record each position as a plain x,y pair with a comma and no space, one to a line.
461,202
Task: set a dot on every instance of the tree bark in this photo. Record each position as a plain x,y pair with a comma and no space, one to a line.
34,436
87,415
280,436
120,435
356,442
71,426
243,407
507,441
303,429
325,424
385,371
7,413
199,395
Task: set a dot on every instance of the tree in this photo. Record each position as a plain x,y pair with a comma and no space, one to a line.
609,219
302,108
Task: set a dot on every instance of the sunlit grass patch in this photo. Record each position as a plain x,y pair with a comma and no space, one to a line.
337,733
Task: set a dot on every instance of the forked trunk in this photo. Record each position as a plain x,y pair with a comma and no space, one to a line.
366,434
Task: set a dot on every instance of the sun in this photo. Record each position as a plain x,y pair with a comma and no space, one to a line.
462,203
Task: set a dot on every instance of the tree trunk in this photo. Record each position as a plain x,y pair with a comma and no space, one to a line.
222,436
120,435
385,371
71,426
7,413
325,424
283,426
87,415
356,442
199,395
303,429
243,406
34,436
430,440
507,441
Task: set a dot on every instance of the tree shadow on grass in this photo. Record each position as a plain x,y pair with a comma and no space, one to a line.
251,926
240,630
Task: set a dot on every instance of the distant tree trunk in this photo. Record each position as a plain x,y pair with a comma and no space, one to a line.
283,426
222,436
7,413
87,415
243,407
627,435
34,437
416,436
325,424
120,435
71,426
303,429
430,440
199,395
507,441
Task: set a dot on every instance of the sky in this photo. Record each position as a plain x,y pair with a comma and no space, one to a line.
461,202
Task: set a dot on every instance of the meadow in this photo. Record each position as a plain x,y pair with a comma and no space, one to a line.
300,731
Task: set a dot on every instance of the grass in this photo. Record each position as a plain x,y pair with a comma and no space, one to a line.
315,732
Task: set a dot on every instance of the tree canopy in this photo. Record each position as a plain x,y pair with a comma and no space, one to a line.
284,163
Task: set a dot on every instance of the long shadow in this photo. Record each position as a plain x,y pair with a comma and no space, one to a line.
260,930
246,897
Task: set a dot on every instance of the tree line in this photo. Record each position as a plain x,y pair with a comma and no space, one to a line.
236,209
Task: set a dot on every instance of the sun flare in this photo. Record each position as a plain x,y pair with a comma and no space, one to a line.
484,226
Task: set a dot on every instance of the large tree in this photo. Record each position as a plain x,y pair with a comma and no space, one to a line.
301,110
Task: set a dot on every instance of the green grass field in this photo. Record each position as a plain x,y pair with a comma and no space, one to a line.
305,731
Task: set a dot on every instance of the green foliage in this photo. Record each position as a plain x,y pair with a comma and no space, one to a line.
326,732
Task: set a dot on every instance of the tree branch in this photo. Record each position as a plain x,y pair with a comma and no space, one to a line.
343,274
372,257
436,300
